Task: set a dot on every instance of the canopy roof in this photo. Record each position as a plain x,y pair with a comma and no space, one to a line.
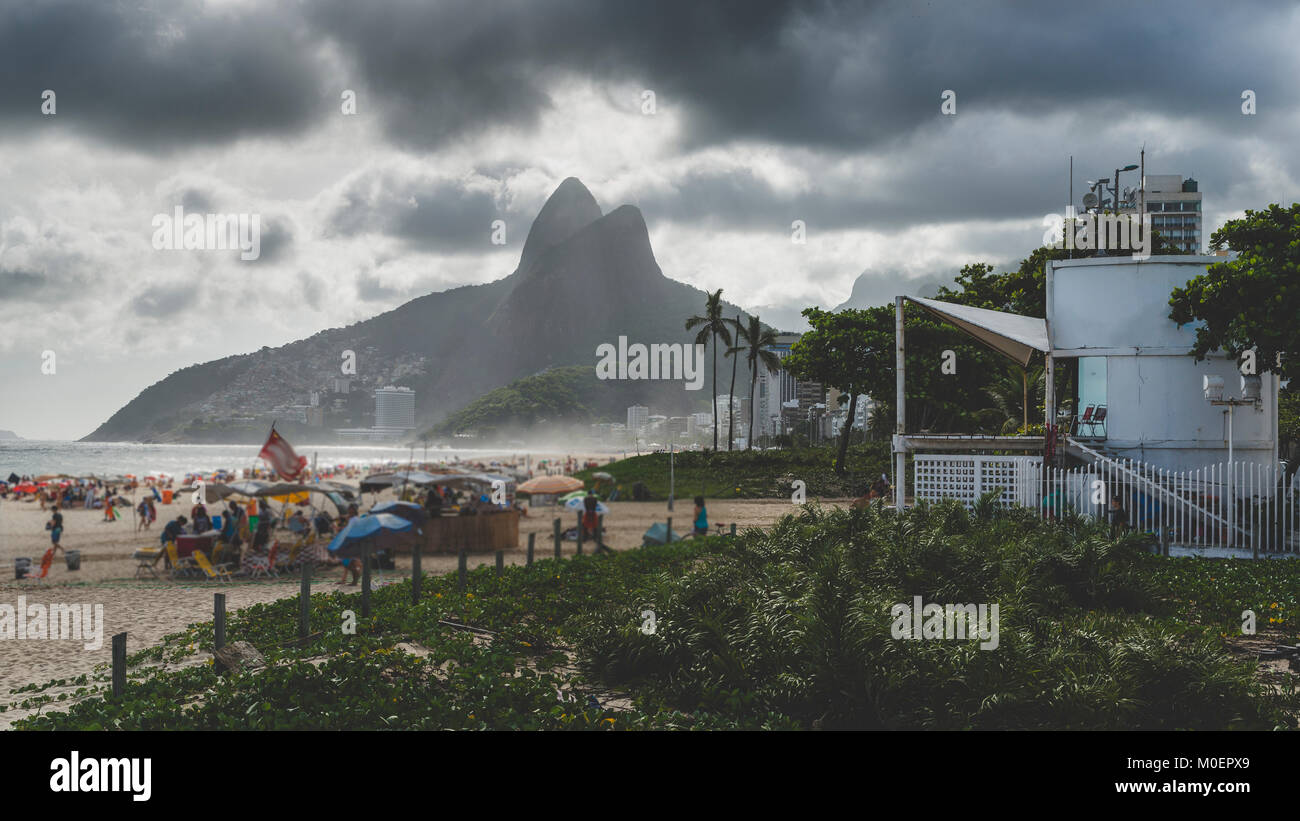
1011,335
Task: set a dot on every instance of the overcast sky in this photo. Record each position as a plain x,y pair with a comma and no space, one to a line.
469,112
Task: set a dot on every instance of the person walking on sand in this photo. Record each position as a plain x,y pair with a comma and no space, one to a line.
701,518
55,526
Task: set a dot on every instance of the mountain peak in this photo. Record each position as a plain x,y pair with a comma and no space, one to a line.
569,209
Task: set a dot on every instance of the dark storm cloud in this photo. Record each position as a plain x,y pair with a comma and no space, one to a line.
844,76
276,240
439,215
841,75
18,284
164,301
159,75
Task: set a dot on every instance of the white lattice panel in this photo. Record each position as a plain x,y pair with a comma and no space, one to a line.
966,478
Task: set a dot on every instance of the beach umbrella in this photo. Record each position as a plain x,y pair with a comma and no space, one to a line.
577,494
659,534
409,511
550,484
576,504
370,530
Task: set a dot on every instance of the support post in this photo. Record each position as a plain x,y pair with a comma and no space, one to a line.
119,664
218,627
582,533
600,532
532,539
304,601
555,528
501,562
900,406
461,570
417,572
365,581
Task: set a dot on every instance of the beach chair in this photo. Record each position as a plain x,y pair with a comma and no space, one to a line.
217,572
180,567
1099,420
1084,421
264,565
147,560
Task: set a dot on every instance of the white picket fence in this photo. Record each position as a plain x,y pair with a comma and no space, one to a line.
1191,508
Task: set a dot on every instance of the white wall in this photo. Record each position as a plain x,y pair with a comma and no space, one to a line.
1119,308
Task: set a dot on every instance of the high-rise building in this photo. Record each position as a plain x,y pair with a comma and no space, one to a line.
637,416
1174,204
395,408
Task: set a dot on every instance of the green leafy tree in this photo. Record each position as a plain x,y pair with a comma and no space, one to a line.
1252,301
841,349
755,341
712,326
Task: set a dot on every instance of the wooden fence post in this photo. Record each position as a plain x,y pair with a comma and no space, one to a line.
555,526
365,581
119,664
501,559
304,602
460,570
417,573
218,628
532,537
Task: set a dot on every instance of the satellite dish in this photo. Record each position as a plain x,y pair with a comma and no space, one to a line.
1089,200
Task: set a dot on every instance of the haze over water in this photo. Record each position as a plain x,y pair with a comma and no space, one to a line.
35,457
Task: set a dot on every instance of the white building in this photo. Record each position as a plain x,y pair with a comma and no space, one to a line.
637,416
1174,204
1139,426
395,408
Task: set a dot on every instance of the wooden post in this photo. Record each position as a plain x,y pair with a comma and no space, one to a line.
417,574
668,537
733,530
460,570
365,581
304,602
119,664
501,562
555,526
218,628
582,532
532,538
600,532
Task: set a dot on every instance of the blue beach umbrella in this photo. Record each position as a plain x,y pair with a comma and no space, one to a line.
409,511
365,531
577,504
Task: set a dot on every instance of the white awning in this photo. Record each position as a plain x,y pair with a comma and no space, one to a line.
1012,335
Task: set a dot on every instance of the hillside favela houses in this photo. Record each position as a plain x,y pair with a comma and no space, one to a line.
1184,450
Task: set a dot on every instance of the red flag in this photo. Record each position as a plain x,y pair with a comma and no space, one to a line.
280,454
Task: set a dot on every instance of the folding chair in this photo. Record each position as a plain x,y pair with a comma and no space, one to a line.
1099,420
1084,421
264,565
217,572
147,558
180,568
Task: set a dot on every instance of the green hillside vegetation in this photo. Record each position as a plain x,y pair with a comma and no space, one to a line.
556,395
785,629
757,474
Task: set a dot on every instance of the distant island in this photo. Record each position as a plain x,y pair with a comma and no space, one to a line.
8,434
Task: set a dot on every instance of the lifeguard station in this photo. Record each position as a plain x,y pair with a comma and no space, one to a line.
1187,449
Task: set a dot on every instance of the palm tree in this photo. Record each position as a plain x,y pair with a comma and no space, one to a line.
731,395
712,326
1008,414
755,342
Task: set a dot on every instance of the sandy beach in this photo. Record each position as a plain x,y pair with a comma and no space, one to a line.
148,610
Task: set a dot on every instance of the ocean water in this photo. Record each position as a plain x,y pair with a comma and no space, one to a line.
28,457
